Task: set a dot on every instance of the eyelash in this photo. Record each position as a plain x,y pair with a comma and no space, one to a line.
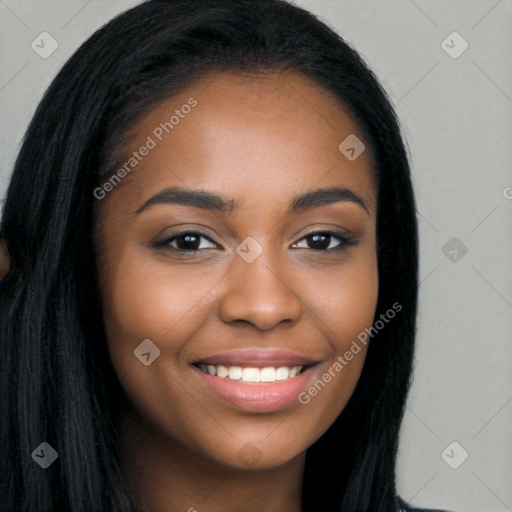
345,239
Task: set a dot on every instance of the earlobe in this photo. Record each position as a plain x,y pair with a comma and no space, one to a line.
6,262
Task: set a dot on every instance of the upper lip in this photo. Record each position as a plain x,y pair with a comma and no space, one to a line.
258,358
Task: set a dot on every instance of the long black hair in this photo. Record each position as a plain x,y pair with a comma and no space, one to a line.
57,382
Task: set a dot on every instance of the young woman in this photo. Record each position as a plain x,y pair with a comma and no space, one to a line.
210,272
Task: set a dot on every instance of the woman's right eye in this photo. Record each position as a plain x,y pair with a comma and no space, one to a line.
187,242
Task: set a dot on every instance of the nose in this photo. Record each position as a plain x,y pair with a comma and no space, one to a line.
260,293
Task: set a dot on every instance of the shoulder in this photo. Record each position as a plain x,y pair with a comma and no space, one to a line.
408,509
402,506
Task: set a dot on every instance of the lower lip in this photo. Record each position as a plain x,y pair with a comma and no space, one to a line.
259,396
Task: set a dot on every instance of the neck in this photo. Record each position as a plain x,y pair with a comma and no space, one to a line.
166,476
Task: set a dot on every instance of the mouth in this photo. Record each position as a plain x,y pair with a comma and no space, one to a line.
253,373
257,380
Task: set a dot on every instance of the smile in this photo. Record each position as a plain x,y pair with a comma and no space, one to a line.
251,374
257,380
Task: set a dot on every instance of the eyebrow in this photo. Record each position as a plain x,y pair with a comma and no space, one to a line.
209,201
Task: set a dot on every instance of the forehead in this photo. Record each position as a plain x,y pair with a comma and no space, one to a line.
248,134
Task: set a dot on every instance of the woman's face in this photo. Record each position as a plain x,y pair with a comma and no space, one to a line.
244,278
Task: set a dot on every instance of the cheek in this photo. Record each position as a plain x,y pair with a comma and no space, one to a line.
344,304
148,299
344,299
145,298
354,305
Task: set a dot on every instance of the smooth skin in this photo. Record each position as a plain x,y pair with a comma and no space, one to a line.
258,141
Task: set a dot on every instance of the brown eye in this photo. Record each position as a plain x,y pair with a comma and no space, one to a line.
188,241
326,241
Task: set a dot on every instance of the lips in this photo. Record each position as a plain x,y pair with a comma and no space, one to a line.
258,358
257,380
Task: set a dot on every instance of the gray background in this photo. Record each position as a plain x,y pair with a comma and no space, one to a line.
456,115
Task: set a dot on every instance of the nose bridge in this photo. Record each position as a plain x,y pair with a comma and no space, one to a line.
259,289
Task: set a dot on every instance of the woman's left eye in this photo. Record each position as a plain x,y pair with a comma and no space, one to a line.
323,241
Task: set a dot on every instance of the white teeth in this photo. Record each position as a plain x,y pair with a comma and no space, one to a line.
249,374
294,371
235,372
222,371
268,374
282,373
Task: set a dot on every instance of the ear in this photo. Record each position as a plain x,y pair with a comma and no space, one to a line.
6,263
